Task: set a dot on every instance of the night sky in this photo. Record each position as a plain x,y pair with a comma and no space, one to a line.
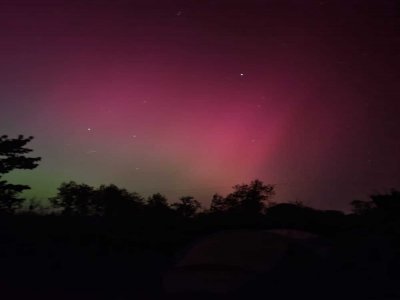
192,97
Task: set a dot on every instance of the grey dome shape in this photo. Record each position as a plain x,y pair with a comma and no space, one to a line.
224,262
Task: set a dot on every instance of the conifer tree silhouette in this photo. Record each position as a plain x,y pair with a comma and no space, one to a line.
13,157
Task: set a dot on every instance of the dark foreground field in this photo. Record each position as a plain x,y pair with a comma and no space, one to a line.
50,257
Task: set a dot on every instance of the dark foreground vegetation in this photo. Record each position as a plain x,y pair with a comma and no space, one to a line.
108,243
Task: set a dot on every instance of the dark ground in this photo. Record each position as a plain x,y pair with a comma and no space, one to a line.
47,257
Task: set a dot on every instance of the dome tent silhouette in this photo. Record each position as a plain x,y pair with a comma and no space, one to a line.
224,262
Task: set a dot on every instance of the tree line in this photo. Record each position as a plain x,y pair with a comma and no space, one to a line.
79,199
75,199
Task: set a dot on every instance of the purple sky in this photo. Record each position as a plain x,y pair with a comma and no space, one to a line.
192,97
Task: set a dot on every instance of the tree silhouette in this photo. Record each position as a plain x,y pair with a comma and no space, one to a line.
389,202
13,157
157,201
246,198
108,200
360,207
386,204
187,207
74,199
219,204
112,201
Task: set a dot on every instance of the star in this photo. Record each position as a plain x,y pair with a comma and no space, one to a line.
89,129
179,13
134,136
241,74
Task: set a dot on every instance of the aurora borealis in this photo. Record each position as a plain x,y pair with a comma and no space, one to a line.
192,97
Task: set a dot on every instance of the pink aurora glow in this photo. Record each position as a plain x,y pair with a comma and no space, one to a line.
152,100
